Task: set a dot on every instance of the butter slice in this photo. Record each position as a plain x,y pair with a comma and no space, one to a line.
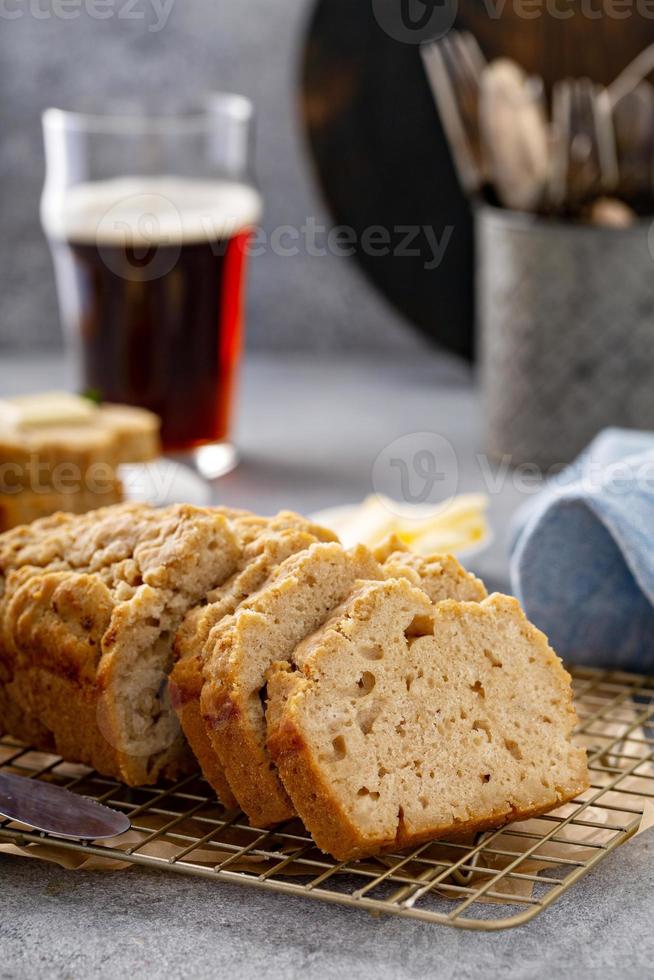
50,408
455,526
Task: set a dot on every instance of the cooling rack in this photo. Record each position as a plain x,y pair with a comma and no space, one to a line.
493,881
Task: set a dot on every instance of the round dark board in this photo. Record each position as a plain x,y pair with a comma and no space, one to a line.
379,150
381,160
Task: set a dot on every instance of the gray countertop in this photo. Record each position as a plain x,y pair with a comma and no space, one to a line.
309,432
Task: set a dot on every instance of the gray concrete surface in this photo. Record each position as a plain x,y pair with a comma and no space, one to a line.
49,58
58,924
309,432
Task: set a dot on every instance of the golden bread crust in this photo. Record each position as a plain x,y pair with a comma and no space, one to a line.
265,543
25,507
331,826
135,431
297,598
113,435
533,772
386,704
193,726
88,610
440,576
230,705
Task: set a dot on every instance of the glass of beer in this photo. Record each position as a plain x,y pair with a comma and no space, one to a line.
148,219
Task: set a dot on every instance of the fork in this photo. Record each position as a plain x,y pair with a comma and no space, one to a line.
584,159
454,65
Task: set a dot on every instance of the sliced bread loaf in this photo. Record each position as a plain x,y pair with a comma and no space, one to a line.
267,627
89,607
265,543
41,432
294,602
402,720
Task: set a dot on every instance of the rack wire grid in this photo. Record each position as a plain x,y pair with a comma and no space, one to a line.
494,881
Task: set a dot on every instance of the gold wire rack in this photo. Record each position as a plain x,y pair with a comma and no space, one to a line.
494,881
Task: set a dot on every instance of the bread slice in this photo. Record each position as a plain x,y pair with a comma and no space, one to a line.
265,543
233,749
61,452
402,720
108,434
241,649
27,506
89,607
440,576
135,430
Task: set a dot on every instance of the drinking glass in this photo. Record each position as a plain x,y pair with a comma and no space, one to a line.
148,218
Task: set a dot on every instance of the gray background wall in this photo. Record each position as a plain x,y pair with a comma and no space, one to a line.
46,59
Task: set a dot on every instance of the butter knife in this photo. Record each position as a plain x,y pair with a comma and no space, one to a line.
55,810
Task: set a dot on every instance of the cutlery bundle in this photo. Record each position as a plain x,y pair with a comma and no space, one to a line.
586,153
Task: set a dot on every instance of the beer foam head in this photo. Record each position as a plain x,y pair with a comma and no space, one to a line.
140,211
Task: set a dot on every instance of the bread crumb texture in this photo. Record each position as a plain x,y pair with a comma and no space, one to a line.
385,698
295,601
407,720
264,543
89,607
277,624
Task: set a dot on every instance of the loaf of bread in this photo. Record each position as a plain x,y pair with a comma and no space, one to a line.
264,544
135,432
240,650
385,698
89,608
402,720
60,452
46,431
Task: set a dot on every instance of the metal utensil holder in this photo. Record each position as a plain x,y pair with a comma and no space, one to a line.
565,318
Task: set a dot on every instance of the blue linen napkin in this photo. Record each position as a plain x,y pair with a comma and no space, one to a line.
582,558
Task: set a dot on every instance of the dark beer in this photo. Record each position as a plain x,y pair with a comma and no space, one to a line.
151,283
